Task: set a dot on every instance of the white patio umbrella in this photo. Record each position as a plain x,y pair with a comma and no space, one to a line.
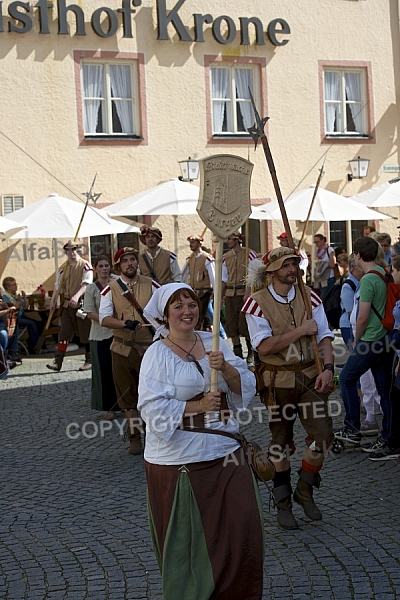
386,194
173,197
58,217
9,227
328,206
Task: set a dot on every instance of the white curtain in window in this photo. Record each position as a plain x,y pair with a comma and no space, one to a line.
244,81
332,94
92,90
220,82
353,93
121,87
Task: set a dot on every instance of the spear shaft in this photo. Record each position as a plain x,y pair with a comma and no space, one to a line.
303,235
257,132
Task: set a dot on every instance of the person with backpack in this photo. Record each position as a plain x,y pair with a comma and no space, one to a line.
371,348
392,450
348,289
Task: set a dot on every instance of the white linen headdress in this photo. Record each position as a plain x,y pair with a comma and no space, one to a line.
154,309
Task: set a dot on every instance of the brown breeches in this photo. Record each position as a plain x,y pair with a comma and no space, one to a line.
71,324
312,409
126,378
235,321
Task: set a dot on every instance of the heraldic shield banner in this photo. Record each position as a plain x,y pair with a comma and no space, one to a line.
224,200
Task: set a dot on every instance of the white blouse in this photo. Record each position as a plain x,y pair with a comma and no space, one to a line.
166,383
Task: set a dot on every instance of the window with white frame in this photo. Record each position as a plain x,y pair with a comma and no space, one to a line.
232,112
110,105
11,203
345,100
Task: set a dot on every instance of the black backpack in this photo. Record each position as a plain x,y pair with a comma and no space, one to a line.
332,307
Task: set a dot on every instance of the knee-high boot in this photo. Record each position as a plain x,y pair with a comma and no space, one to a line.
282,493
303,494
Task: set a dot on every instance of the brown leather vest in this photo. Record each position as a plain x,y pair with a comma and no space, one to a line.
72,279
160,266
199,277
284,317
236,265
124,310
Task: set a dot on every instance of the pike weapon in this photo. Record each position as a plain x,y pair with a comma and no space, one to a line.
257,133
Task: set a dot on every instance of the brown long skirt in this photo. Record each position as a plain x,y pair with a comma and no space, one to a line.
207,529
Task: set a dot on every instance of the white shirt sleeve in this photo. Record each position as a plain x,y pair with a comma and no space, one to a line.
319,316
106,307
87,277
185,270
175,271
210,266
225,274
259,329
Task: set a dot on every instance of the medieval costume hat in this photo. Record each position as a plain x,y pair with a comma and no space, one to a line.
146,229
236,235
283,236
121,252
259,269
274,260
197,238
71,246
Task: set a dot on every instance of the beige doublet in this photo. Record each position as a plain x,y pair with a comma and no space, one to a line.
236,265
124,310
199,278
160,266
283,318
73,279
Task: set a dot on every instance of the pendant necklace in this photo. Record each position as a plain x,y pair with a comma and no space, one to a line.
189,355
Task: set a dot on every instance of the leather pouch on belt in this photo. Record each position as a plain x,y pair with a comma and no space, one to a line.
120,348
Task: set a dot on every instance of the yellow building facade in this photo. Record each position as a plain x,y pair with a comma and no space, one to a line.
128,89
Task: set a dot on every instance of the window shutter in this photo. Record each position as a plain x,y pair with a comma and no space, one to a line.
11,203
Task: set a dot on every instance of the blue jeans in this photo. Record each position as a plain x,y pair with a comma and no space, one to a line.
3,335
13,341
377,356
347,336
33,332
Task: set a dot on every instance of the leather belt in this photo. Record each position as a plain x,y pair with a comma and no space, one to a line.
235,287
127,342
298,367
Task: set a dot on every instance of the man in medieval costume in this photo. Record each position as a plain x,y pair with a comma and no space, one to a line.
156,262
72,280
281,333
121,309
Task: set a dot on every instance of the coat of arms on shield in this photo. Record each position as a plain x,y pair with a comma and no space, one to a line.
224,201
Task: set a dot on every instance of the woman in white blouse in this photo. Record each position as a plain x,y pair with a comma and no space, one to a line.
103,396
204,508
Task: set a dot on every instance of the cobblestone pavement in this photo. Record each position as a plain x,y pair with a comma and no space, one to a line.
73,520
